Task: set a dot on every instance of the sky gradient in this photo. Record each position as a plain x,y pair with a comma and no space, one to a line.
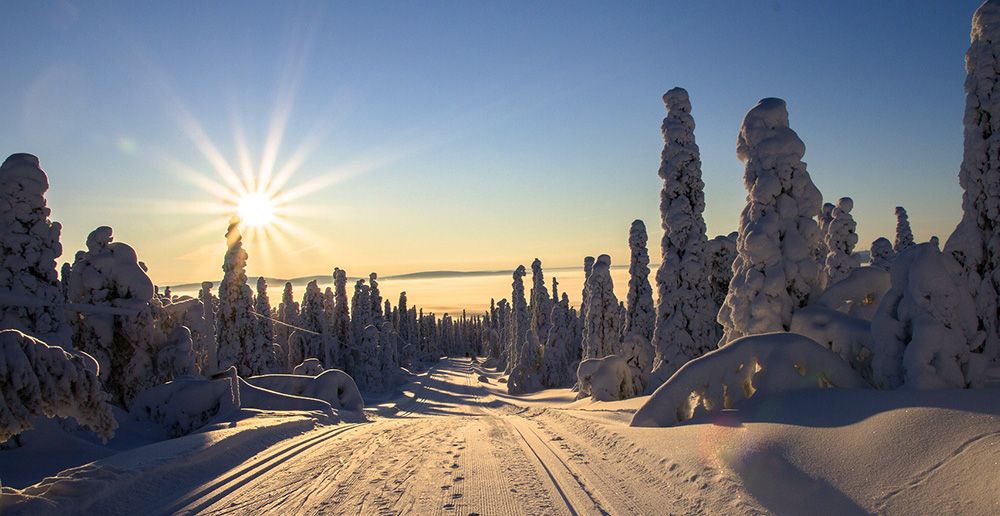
466,135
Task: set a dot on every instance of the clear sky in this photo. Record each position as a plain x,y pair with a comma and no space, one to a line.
464,135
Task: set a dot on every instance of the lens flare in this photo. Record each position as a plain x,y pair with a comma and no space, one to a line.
256,209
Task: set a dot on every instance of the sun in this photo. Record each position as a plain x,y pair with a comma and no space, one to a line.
256,209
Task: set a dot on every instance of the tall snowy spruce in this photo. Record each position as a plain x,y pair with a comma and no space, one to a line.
685,314
840,239
720,253
263,355
558,357
236,326
640,316
775,271
881,253
541,304
346,354
208,357
588,268
975,243
29,243
520,319
904,235
602,323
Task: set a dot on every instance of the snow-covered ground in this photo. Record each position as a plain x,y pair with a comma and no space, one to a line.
455,443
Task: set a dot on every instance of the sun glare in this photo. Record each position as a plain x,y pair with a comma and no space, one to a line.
256,209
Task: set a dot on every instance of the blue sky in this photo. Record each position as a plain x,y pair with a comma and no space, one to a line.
481,134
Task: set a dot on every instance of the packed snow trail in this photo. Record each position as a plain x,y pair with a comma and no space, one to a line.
454,448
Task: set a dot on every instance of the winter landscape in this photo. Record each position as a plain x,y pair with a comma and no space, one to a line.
739,348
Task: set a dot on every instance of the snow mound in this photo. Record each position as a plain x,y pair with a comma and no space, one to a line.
41,380
332,386
764,364
186,404
847,336
858,294
309,367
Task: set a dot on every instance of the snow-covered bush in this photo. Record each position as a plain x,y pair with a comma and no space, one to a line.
857,295
685,313
29,245
640,317
332,386
309,367
750,366
176,357
840,239
41,380
557,370
926,329
882,254
606,379
639,354
602,323
904,235
186,404
775,271
847,336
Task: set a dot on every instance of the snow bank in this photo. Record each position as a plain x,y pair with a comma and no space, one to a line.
186,404
758,364
41,380
309,366
332,386
847,336
858,294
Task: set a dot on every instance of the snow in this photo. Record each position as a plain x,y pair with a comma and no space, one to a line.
332,386
601,321
882,253
775,271
758,365
904,235
685,313
640,318
839,240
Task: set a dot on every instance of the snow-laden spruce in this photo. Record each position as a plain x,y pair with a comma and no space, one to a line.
640,314
519,321
207,348
685,313
288,313
41,380
29,245
541,304
926,330
720,253
974,243
602,323
263,353
588,268
757,365
775,271
346,355
881,254
312,343
121,333
823,220
237,328
904,235
525,375
558,357
840,239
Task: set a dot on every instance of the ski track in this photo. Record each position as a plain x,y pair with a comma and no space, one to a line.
456,450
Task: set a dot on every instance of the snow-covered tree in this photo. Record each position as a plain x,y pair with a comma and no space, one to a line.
313,342
541,304
557,359
904,235
361,308
376,299
288,315
29,245
261,359
520,320
881,253
41,380
775,271
720,253
588,267
685,314
974,243
640,314
602,324
120,335
207,348
840,239
236,326
525,376
824,219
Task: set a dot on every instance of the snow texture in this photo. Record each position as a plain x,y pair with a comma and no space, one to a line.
757,365
602,324
926,330
640,316
775,271
857,295
847,336
685,313
29,245
41,380
840,239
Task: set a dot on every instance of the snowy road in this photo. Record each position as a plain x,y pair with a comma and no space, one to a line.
454,449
